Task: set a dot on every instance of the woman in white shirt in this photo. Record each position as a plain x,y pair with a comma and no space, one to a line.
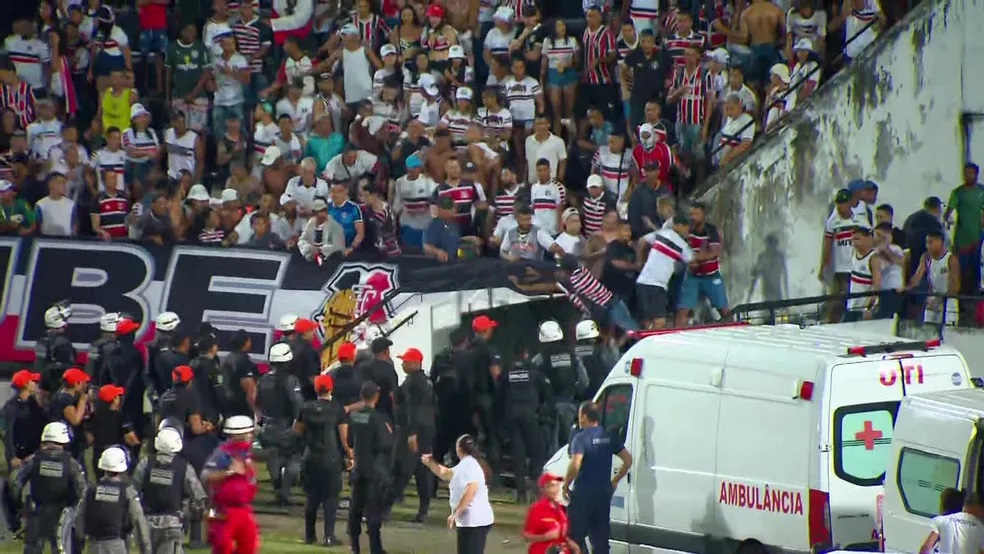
806,68
471,511
560,50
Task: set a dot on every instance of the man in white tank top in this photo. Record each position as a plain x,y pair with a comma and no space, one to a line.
358,65
943,273
866,275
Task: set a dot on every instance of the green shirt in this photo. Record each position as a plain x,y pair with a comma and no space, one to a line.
187,63
19,209
968,202
323,149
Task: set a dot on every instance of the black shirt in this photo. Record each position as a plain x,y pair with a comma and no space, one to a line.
347,384
180,403
23,422
236,367
321,419
383,373
56,412
642,204
648,75
372,441
207,385
619,281
916,227
416,404
107,426
306,365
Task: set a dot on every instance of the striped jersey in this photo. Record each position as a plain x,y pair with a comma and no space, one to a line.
42,136
720,13
112,43
521,97
28,56
141,141
180,152
264,136
582,285
668,255
677,46
465,196
413,199
251,37
703,239
861,279
505,201
593,210
458,123
614,169
840,230
211,236
597,44
669,20
372,31
547,200
20,98
560,50
385,226
495,122
105,159
624,48
112,212
644,9
691,105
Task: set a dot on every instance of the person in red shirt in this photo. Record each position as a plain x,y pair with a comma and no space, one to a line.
546,521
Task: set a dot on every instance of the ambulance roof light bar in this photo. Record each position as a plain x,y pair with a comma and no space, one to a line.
638,335
892,347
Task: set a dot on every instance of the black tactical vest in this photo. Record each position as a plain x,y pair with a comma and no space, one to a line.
163,487
50,478
106,513
558,364
271,396
522,391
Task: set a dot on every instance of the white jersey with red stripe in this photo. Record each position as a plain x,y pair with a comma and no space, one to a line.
547,200
841,230
145,142
28,56
669,251
614,169
42,136
644,9
861,279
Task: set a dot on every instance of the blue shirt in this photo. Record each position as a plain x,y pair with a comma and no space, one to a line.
347,215
444,235
597,447
599,135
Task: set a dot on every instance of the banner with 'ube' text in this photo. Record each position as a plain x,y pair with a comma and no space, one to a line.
229,288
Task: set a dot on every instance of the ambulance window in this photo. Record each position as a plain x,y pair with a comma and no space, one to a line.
615,402
921,479
862,442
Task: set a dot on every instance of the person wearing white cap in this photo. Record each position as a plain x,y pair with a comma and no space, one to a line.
804,20
430,105
110,511
596,203
570,240
357,62
288,226
322,235
141,145
458,73
497,41
461,116
806,69
717,73
185,149
388,55
780,100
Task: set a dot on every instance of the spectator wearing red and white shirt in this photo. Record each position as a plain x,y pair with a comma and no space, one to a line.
780,101
546,520
297,65
805,68
599,53
29,54
548,197
110,214
17,95
685,37
650,152
689,92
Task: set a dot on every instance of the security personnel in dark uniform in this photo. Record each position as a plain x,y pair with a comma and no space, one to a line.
168,357
54,353
111,510
380,370
567,377
48,484
23,419
348,386
239,374
319,426
280,402
486,371
71,405
165,336
307,362
596,358
102,346
208,379
372,441
416,418
522,385
452,374
108,425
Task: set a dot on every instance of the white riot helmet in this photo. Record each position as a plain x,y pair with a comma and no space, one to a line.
56,432
167,322
281,353
168,441
550,331
286,323
586,329
107,323
238,425
113,460
57,316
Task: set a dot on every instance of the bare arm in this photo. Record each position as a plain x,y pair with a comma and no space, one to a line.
930,543
626,458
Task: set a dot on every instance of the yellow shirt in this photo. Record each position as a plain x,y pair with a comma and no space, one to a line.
115,110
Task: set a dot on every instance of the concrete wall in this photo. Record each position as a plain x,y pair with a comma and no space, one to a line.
894,116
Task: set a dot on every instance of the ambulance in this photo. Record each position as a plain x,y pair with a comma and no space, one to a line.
744,436
937,445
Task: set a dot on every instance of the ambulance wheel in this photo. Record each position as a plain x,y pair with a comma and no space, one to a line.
752,546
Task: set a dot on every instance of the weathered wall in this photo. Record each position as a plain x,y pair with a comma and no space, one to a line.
894,117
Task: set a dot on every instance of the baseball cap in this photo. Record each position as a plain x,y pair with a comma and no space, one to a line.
349,29
270,155
413,162
780,70
126,325
23,377
546,478
456,52
387,50
6,186
138,110
470,166
569,213
73,376
933,202
843,195
435,10
108,393
380,344
346,351
323,383
504,13
464,93
412,355
182,374
483,323
319,205
198,192
428,83
595,181
286,198
304,325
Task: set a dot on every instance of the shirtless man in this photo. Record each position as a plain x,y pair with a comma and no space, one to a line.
762,26
436,157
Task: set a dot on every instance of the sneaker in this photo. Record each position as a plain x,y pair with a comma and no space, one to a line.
330,541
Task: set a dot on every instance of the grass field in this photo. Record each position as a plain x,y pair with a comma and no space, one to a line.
281,530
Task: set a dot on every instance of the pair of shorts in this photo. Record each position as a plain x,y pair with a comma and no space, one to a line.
694,288
107,63
153,42
196,113
557,79
652,301
763,57
525,125
688,138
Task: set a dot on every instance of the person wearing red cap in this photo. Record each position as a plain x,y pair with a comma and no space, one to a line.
488,368
317,425
23,418
109,426
416,420
70,405
307,362
346,379
546,520
439,37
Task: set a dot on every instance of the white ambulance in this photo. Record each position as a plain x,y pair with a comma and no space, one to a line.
936,445
776,434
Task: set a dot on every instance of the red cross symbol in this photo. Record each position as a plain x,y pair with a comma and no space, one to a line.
869,435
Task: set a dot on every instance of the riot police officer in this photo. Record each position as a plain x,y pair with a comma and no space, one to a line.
110,511
452,374
372,441
164,481
486,371
169,356
380,370
104,344
307,362
567,377
522,386
208,379
165,336
285,326
319,425
49,483
415,408
596,358
279,400
239,374
54,353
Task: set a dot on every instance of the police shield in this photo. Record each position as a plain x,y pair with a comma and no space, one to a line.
66,532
